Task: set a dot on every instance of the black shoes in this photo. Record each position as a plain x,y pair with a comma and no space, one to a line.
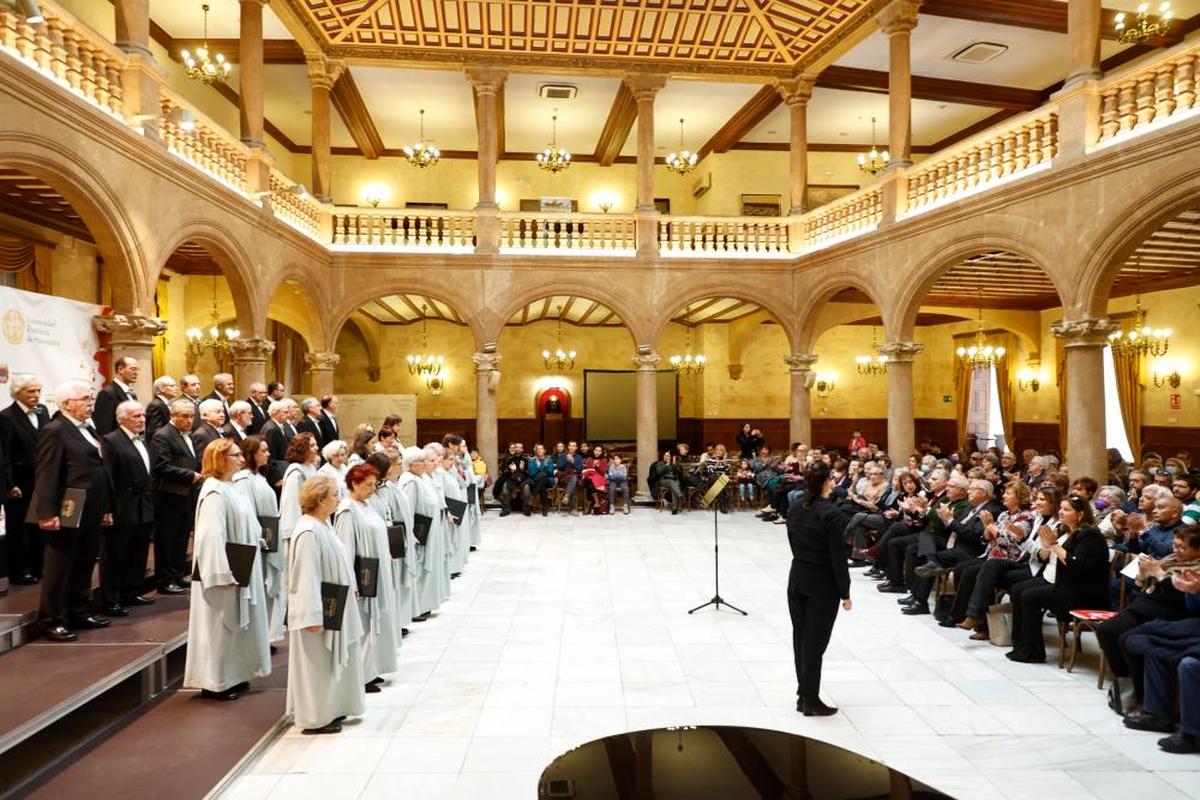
948,622
929,570
172,589
907,600
1180,744
59,633
116,610
527,513
1144,721
28,579
372,688
887,587
333,727
232,693
815,708
915,610
503,513
139,600
90,622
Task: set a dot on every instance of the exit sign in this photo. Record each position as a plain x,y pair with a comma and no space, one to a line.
945,398
1176,401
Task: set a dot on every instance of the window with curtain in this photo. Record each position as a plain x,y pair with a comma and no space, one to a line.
984,420
1115,433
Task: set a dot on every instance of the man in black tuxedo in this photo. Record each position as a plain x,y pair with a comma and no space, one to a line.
126,544
175,464
222,390
311,422
69,457
19,426
240,416
212,428
125,374
328,422
259,404
278,433
158,410
189,386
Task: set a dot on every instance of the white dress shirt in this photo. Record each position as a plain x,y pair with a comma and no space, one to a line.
141,447
30,414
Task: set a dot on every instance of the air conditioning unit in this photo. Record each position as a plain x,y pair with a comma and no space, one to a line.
702,186
560,788
557,91
978,52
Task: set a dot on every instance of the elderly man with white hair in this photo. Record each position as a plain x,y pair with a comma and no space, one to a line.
241,417
952,504
71,502
125,548
310,422
158,410
19,426
278,432
212,412
223,390
176,465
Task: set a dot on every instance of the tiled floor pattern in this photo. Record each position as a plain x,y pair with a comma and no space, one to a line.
563,630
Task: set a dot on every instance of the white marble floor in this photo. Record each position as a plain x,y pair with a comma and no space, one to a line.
564,630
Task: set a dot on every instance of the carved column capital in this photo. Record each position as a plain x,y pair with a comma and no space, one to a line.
647,361
130,328
323,72
796,91
800,363
645,85
899,17
486,80
246,350
1087,332
486,361
321,361
374,373
900,351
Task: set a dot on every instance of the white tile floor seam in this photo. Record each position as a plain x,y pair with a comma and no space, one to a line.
565,630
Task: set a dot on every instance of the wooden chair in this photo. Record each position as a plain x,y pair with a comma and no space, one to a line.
662,498
1084,620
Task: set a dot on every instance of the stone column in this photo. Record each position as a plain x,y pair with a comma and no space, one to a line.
643,748
1079,99
901,426
1084,341
133,335
250,86
800,422
487,375
644,86
322,75
320,372
1083,41
647,362
897,22
250,358
796,93
141,75
487,82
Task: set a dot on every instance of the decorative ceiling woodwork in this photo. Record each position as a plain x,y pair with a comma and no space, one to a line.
941,90
924,320
755,110
190,258
1042,15
30,199
349,104
620,121
766,37
275,51
405,309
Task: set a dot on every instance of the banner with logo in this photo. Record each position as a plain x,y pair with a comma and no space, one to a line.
49,336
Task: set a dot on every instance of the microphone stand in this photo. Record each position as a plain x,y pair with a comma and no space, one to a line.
717,601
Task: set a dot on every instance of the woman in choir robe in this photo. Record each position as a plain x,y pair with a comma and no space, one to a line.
335,465
455,486
252,480
303,455
227,623
364,535
474,510
432,478
395,508
425,587
325,677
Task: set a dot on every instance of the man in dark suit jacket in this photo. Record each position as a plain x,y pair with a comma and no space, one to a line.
69,457
189,387
125,374
278,433
125,546
311,421
258,408
240,416
19,426
222,390
328,422
158,410
175,464
212,428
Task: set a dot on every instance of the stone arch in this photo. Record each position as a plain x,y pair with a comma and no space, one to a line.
665,310
307,316
370,336
1133,224
97,204
809,325
522,297
233,260
926,270
405,283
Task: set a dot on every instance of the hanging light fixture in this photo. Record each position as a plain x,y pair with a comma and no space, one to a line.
425,364
683,161
1142,28
1139,339
204,66
559,360
980,354
423,153
554,159
874,364
873,162
216,338
688,364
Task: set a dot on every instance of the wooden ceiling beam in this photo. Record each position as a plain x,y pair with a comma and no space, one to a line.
353,110
755,110
1042,15
941,90
623,763
275,51
621,117
751,762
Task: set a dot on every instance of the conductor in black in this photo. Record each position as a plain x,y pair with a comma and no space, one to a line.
818,580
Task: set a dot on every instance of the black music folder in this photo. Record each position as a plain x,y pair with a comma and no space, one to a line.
421,526
333,604
241,561
456,507
366,572
270,533
472,493
398,540
71,512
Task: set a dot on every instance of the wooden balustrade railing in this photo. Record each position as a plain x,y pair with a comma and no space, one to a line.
1138,97
448,231
1009,149
67,51
302,211
717,236
567,232
859,212
202,142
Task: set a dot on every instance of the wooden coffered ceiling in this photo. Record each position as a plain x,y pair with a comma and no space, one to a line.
758,36
405,309
30,199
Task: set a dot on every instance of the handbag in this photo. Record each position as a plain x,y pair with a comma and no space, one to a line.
999,619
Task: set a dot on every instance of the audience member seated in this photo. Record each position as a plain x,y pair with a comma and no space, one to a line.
595,481
541,477
927,541
618,481
513,482
904,510
665,476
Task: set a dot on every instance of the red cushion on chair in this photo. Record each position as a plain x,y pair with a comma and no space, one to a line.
1092,616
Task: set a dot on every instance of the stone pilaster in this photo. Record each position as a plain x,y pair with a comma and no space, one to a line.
487,83
646,361
250,93
322,75
320,371
796,93
902,439
800,418
1084,341
132,335
644,87
250,358
141,75
487,375
897,22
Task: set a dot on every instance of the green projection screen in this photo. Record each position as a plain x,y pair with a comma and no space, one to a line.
610,405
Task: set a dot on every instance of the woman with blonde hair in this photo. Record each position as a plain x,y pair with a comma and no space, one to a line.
227,621
325,671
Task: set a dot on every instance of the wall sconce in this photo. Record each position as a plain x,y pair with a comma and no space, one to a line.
1166,373
435,386
604,201
1028,381
374,195
824,383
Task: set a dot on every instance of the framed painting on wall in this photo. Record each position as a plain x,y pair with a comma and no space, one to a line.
761,205
821,193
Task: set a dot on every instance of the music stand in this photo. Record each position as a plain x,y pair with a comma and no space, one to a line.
710,501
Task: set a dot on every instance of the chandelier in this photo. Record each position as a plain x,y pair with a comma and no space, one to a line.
425,365
554,159
559,360
1142,28
874,161
202,66
874,364
683,161
1139,339
688,364
422,154
215,338
980,354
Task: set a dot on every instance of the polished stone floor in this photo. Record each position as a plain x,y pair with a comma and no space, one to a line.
563,630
